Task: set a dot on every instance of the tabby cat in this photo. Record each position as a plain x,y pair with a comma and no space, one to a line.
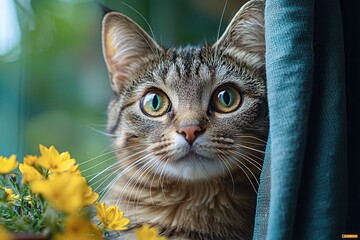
189,127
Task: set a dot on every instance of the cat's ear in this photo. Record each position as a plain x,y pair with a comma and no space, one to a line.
245,31
125,45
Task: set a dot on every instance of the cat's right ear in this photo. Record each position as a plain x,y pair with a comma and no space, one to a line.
246,34
125,45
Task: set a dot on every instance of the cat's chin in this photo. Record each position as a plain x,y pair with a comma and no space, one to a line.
194,167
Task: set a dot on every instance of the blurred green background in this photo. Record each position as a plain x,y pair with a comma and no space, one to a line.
53,81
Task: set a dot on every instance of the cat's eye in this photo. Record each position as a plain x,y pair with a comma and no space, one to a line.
155,103
226,99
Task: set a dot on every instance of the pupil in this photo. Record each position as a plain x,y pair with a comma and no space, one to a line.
226,98
155,102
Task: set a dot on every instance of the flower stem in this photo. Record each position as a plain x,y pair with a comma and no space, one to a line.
3,180
16,187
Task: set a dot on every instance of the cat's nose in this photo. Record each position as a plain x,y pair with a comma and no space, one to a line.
190,132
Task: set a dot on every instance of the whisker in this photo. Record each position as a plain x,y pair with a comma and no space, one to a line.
106,190
236,162
101,132
251,172
96,174
147,171
144,168
252,155
250,148
251,161
123,172
110,152
124,159
105,178
152,201
103,191
250,136
162,182
147,23
247,159
219,29
98,164
258,128
257,144
232,178
122,192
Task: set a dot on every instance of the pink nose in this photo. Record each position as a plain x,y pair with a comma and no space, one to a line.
190,132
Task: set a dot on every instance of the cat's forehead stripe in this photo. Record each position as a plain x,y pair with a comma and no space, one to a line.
187,63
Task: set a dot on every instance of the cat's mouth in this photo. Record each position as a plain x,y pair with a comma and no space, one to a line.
193,166
194,157
190,156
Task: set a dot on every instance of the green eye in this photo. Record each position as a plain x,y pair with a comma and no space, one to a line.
155,103
226,99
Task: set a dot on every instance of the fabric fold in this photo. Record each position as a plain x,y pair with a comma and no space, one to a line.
306,97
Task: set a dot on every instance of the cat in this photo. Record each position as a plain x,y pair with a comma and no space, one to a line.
189,127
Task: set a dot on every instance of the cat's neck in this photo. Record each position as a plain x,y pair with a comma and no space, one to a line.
220,206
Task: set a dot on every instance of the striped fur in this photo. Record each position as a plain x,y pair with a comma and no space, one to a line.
211,193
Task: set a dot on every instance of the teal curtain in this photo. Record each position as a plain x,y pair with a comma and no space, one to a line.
303,190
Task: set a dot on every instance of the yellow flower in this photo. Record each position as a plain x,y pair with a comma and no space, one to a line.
63,191
8,164
51,160
79,228
29,173
31,160
110,217
145,232
28,199
4,235
89,196
10,196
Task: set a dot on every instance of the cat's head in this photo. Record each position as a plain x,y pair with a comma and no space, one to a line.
192,113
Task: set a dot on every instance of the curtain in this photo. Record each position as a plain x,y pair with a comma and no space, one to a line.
303,189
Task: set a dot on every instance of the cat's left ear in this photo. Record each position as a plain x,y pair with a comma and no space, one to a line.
125,46
245,33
